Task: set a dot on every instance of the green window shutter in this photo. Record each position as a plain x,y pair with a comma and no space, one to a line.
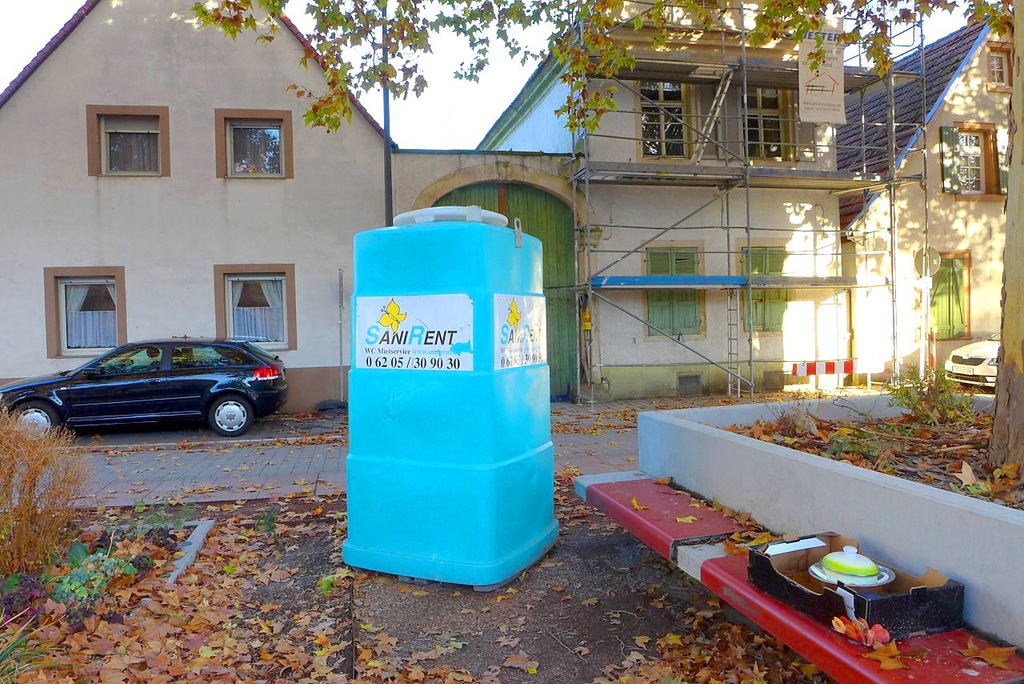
775,309
676,312
769,305
1002,148
949,299
775,261
950,137
958,305
684,262
686,314
659,262
659,311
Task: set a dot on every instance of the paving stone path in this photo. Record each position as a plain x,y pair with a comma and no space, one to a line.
288,454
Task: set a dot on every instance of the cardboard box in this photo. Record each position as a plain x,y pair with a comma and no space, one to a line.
906,607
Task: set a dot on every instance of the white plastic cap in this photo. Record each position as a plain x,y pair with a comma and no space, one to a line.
434,214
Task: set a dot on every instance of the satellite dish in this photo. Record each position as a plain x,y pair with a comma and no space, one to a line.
934,261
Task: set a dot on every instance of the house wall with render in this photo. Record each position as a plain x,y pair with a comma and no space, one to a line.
168,233
969,226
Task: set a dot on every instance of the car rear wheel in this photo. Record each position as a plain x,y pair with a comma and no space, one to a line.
230,416
37,417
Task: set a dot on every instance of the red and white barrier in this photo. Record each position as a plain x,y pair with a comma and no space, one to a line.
845,367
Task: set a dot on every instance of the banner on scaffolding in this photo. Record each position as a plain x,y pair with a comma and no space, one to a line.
821,88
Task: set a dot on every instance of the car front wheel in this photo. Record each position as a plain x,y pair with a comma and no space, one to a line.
230,416
37,417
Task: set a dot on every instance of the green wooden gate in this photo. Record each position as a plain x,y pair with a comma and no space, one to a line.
549,219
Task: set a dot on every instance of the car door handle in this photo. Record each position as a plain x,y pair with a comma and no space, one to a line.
153,382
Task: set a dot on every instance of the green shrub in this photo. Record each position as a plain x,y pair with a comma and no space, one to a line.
932,399
87,582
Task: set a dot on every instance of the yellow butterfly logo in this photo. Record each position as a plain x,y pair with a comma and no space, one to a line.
392,316
513,314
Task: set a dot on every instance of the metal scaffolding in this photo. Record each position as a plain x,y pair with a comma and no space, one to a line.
724,150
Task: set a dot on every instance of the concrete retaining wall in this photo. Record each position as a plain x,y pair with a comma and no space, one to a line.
910,525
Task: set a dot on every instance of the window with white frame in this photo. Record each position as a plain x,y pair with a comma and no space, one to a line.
255,149
764,123
130,145
998,67
972,166
257,309
663,111
88,315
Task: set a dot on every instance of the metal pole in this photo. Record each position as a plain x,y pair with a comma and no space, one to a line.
893,233
926,268
749,291
389,190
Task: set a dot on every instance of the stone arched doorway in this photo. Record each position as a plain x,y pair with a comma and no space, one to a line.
549,219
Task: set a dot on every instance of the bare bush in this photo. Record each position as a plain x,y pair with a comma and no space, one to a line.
40,479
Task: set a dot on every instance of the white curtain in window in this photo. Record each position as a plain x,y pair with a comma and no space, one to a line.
259,323
88,329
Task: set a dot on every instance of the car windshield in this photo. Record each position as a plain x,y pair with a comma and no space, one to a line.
996,337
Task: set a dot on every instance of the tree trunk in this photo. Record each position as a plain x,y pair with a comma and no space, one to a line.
1007,442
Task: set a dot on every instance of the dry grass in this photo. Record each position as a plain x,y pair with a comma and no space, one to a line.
40,479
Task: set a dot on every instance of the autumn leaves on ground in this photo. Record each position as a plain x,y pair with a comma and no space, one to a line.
269,598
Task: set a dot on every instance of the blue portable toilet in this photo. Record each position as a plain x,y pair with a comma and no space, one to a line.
450,472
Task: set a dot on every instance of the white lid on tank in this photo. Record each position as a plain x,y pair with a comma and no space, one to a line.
434,214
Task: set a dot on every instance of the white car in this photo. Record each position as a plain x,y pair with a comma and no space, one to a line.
975,363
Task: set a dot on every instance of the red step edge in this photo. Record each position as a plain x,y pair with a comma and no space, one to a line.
839,657
653,519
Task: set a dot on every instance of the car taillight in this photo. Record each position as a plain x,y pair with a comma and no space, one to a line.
266,373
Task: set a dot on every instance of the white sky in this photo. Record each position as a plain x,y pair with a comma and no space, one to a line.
452,114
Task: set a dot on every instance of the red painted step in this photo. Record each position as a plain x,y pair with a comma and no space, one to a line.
839,657
659,505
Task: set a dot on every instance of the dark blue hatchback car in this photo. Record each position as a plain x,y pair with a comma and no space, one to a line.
227,383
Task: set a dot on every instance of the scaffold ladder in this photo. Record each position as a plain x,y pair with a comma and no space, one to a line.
713,113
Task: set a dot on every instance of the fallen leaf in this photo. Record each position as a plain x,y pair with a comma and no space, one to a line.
687,519
734,549
637,506
641,641
589,602
992,655
888,657
664,480
966,475
670,639
522,662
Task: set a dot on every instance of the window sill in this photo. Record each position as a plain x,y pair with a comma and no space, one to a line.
702,335
247,176
130,175
999,88
980,197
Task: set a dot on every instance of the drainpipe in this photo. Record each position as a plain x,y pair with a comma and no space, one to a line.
389,206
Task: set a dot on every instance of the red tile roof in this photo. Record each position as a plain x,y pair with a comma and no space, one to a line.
89,5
